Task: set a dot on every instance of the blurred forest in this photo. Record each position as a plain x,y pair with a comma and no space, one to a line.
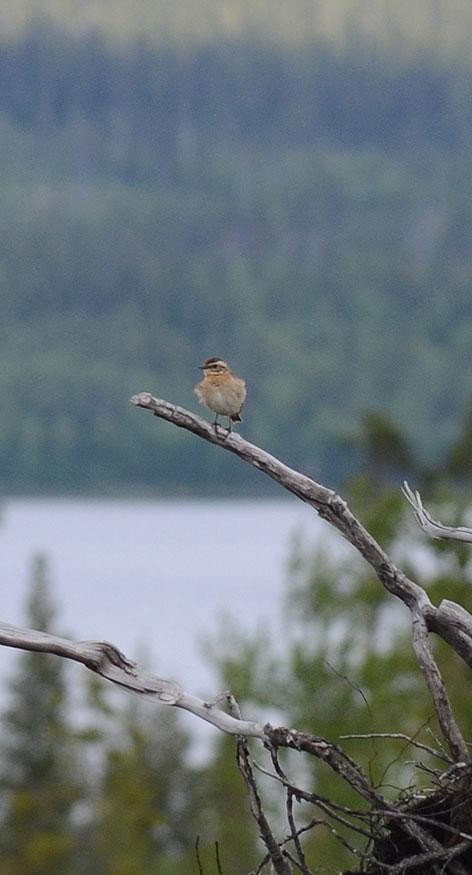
301,207
440,25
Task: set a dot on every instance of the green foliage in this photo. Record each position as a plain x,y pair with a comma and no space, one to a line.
136,804
226,816
151,806
459,458
385,452
145,817
39,776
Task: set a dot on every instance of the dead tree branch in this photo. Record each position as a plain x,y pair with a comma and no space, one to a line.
433,528
326,502
437,689
277,857
108,661
334,510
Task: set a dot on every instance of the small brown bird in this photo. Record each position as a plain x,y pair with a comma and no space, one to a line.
221,391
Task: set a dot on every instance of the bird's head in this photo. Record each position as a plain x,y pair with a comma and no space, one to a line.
214,366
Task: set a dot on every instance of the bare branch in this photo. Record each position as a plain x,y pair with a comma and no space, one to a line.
334,509
441,855
341,763
411,822
327,503
197,855
433,528
295,833
301,862
401,736
392,812
437,689
106,660
329,807
276,856
217,858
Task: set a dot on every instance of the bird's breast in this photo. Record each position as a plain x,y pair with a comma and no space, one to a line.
221,398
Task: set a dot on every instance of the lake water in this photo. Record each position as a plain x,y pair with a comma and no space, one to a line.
154,576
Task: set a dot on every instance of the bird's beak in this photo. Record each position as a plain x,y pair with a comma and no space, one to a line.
201,367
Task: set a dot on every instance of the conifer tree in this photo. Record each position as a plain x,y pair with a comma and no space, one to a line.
146,813
37,755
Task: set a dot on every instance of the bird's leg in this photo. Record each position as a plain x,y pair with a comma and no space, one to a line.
229,423
215,422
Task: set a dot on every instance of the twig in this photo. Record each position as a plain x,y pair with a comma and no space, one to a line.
277,859
291,791
387,813
295,834
339,761
437,689
289,856
329,808
402,737
442,854
197,854
218,860
433,528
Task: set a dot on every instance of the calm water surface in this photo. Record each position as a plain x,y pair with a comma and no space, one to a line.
155,576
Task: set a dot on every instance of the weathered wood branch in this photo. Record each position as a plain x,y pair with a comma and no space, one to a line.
437,689
431,527
276,854
108,661
331,507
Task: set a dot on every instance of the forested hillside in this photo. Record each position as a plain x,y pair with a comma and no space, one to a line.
305,213
439,26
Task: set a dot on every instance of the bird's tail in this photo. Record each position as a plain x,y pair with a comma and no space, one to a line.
235,418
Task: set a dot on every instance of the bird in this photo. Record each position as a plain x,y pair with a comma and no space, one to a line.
221,391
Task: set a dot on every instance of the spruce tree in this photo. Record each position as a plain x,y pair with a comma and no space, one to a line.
146,817
37,759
